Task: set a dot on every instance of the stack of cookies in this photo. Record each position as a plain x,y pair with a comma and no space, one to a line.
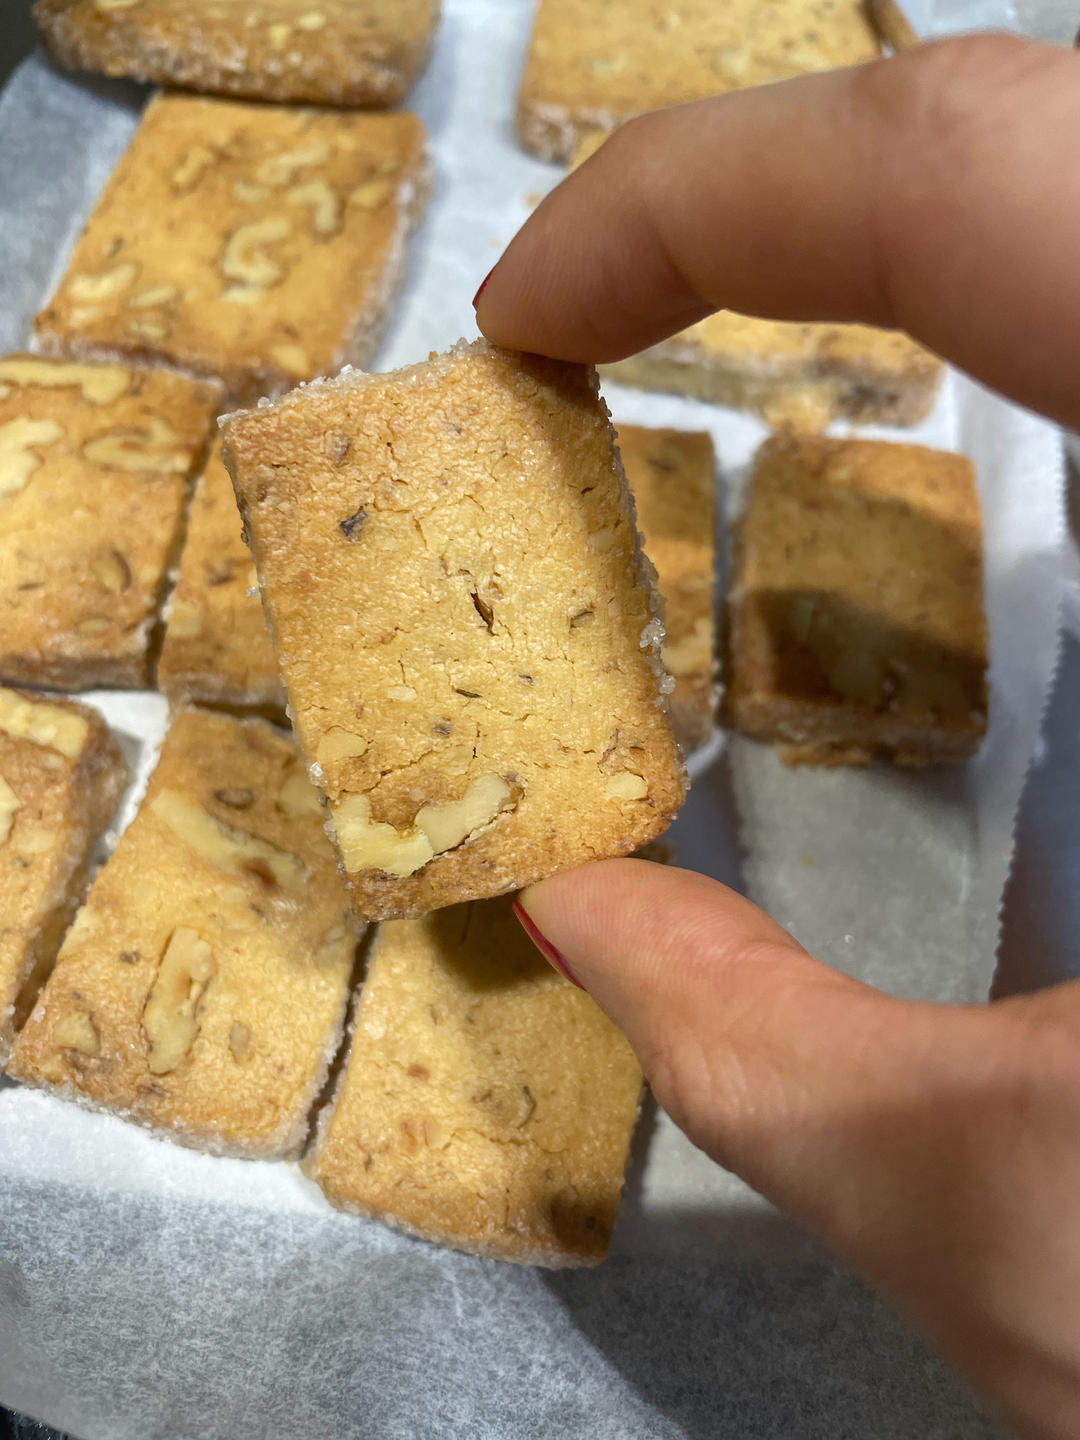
415,651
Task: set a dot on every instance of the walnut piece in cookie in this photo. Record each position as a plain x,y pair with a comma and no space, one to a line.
481,656
202,987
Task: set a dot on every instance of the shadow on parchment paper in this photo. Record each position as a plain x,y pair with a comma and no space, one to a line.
129,95
705,836
1040,929
1040,921
773,1340
738,1323
19,38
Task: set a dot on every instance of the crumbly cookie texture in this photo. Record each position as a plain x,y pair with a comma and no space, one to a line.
61,776
856,623
673,476
591,66
95,461
797,375
253,243
325,52
202,988
485,1102
216,648
475,678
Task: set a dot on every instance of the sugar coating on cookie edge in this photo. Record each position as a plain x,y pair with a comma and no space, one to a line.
323,52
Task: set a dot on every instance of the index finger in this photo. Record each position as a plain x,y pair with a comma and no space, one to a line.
936,192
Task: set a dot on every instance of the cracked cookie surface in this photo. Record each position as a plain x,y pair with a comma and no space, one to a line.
452,576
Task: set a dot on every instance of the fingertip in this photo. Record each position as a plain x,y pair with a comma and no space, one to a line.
554,957
480,289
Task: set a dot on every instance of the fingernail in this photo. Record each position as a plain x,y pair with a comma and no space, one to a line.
483,282
550,954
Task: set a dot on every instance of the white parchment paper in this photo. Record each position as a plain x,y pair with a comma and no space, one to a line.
151,1293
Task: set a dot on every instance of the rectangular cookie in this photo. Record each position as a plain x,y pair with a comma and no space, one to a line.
592,66
203,985
320,52
855,618
95,461
485,1103
672,474
216,648
799,375
475,677
254,243
61,776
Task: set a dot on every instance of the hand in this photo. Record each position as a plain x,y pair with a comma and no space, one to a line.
937,1148
937,192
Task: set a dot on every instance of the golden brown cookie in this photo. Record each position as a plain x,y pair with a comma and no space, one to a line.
673,476
485,1102
253,243
325,52
95,461
216,648
797,375
61,774
475,677
593,65
855,616
203,985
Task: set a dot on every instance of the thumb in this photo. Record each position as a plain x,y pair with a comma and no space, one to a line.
808,1084
932,1146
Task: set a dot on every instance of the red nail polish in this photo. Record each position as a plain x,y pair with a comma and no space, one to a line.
483,282
550,954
